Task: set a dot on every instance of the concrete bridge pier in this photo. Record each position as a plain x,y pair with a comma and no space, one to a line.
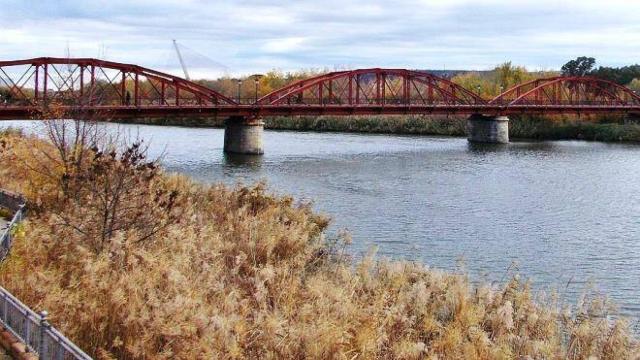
243,136
488,129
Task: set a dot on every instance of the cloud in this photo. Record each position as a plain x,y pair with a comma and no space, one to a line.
284,45
250,36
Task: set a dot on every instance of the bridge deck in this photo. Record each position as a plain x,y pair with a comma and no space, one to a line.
106,112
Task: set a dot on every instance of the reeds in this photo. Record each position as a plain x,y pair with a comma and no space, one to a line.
244,274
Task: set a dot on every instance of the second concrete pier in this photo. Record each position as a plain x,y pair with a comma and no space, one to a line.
243,136
488,129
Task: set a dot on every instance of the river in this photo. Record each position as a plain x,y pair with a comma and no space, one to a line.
564,214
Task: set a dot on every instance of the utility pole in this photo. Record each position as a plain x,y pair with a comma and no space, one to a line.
184,67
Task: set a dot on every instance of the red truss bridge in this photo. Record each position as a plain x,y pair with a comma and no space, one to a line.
116,90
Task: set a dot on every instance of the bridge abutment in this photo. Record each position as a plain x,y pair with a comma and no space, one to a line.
488,129
243,136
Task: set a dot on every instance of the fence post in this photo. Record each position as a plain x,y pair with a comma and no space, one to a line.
44,325
21,211
27,331
4,309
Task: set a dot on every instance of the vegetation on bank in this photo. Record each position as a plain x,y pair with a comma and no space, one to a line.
410,125
133,263
612,129
607,129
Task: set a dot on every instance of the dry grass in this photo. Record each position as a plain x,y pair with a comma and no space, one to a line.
242,274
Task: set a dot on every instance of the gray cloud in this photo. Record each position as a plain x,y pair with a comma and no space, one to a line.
253,35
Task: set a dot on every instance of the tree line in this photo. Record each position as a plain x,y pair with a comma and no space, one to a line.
585,66
487,84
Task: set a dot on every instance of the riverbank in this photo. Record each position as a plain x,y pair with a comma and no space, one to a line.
186,270
612,129
607,129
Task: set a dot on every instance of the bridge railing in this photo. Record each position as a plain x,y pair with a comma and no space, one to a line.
15,204
24,324
34,330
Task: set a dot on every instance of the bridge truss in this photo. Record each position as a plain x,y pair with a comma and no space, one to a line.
28,87
96,84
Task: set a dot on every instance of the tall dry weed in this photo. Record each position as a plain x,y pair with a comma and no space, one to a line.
244,274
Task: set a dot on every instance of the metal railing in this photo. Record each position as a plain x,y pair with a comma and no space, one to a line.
27,326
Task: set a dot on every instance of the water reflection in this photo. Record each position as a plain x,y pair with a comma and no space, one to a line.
486,148
247,162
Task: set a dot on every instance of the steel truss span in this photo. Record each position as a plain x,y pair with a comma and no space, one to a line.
110,89
568,91
381,87
92,82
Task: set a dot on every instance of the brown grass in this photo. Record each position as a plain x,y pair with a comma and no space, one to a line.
242,274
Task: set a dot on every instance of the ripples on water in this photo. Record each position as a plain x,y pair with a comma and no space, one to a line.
564,212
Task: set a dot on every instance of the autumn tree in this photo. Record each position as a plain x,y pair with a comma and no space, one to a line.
507,75
270,81
489,84
106,186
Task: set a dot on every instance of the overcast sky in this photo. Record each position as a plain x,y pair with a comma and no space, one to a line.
258,35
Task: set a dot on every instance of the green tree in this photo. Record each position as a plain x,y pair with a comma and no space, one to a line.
635,85
5,95
622,75
579,67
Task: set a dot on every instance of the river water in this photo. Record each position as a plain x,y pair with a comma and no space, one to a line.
564,214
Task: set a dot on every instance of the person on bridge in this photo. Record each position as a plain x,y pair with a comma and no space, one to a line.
127,98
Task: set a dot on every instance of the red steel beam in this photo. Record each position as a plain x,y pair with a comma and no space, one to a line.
136,90
37,83
114,112
563,95
46,78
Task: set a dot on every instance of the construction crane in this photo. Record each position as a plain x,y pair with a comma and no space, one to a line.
184,67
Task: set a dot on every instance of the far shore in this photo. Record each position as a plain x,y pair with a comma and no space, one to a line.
604,129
